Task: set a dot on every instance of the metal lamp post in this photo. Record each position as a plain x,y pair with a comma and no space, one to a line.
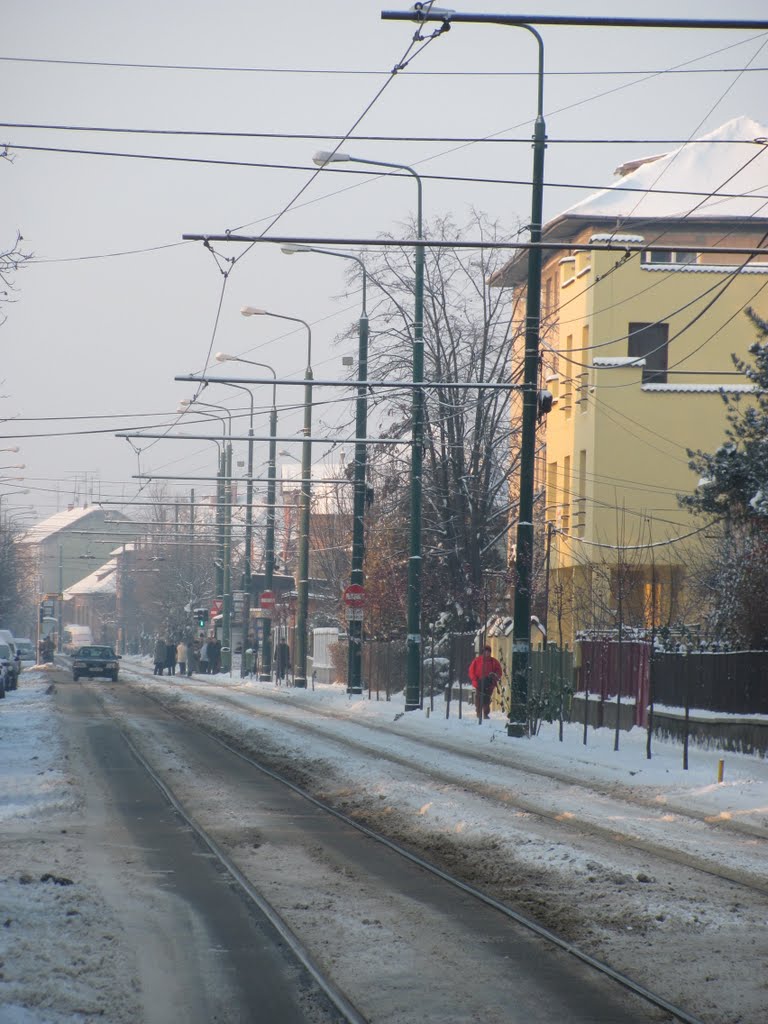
521,638
226,535
422,12
357,575
300,668
413,640
269,546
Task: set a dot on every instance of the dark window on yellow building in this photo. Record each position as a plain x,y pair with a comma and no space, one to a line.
649,341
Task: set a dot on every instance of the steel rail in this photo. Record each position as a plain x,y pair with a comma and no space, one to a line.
544,933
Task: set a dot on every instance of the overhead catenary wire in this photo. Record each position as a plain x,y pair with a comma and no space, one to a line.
455,178
364,72
325,136
636,547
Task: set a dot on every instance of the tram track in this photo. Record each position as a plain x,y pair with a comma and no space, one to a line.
343,1004
507,798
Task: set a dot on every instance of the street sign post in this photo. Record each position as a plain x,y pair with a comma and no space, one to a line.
354,599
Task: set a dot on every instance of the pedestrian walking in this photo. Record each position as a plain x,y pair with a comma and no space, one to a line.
170,657
181,657
194,656
214,655
204,657
484,673
159,656
253,647
283,659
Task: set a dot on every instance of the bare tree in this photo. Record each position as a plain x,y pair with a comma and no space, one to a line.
12,259
470,440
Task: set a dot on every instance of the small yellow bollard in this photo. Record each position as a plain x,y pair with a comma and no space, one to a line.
720,769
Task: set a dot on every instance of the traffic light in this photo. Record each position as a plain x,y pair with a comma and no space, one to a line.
201,615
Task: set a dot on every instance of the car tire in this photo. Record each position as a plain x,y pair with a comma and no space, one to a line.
114,677
75,676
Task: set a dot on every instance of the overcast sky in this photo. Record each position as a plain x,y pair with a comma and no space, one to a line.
115,305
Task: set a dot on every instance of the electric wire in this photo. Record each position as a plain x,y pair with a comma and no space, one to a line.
356,72
322,137
453,178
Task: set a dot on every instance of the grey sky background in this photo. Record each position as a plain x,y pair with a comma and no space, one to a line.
94,332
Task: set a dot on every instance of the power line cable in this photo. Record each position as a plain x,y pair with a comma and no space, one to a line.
324,137
358,72
455,178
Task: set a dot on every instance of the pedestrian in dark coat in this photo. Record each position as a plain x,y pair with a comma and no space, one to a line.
159,656
170,657
283,659
214,655
484,672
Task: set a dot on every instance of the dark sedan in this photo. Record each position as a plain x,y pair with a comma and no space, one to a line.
95,660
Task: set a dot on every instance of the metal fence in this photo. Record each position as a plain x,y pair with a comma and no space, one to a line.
734,682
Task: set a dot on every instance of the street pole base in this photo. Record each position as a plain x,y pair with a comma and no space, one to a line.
357,690
517,729
412,707
265,677
300,684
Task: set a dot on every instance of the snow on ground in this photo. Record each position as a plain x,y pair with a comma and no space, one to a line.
46,929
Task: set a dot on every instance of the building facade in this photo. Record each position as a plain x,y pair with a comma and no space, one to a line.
637,350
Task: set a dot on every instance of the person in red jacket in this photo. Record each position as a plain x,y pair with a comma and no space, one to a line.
484,673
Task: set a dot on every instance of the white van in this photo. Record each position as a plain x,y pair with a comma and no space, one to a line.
74,637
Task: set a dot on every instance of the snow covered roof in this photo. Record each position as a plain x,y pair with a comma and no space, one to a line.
731,161
68,518
705,165
102,581
56,523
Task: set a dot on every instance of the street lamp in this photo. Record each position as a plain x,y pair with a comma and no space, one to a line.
269,555
224,506
413,639
357,576
521,638
300,667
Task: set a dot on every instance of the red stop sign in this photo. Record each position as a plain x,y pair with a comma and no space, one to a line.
354,595
267,600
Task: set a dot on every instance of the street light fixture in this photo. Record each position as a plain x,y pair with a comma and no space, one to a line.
269,554
357,575
422,12
224,517
413,639
300,666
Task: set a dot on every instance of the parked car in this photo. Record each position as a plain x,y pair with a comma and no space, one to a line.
95,660
73,637
25,650
9,667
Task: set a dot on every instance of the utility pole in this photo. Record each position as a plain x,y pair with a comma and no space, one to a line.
61,596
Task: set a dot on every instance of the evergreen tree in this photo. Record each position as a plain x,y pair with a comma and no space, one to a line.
733,486
734,479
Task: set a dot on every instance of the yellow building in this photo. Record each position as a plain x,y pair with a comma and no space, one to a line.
636,350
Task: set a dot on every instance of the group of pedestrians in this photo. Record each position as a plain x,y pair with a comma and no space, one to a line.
202,655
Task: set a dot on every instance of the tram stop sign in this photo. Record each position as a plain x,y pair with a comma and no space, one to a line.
267,600
354,599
